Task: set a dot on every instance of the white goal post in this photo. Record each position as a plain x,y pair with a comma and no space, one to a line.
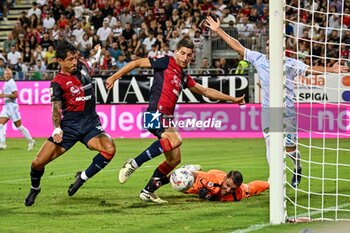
277,189
319,35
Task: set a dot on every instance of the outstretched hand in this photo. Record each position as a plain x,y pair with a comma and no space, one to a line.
336,68
239,100
212,24
109,82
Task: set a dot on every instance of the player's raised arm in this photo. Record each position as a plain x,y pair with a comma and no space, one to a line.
139,63
215,95
336,68
96,57
232,42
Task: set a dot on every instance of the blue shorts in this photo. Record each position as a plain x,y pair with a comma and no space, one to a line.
80,129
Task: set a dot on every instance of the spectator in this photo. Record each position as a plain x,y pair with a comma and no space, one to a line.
48,22
79,32
154,52
107,61
39,66
227,19
111,20
32,43
220,8
205,66
115,51
173,39
224,65
78,10
18,29
21,43
34,10
39,54
46,42
63,22
27,56
50,54
53,65
9,42
149,41
24,20
242,67
128,32
125,17
14,58
117,29
34,20
85,45
166,51
259,6
103,32
121,62
245,29
97,19
135,43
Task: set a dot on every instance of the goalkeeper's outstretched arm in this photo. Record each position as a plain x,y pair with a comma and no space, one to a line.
336,68
232,42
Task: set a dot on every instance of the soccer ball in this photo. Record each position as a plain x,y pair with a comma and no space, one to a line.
181,179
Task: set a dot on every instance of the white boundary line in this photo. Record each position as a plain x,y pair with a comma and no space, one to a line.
263,225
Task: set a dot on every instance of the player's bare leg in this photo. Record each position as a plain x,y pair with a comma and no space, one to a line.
170,139
160,176
3,121
48,152
25,133
105,145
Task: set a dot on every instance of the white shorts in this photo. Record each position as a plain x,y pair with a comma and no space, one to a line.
11,111
291,138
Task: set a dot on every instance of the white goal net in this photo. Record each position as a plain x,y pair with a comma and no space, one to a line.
316,33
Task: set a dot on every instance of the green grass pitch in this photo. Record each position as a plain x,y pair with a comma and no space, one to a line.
104,205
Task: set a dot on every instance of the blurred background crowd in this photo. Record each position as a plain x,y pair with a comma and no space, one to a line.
130,29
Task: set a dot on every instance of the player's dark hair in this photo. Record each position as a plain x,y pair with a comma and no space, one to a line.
63,48
236,176
185,42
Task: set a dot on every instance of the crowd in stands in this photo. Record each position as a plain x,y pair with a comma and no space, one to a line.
129,29
327,40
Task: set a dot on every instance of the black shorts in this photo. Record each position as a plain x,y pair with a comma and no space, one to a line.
157,132
80,129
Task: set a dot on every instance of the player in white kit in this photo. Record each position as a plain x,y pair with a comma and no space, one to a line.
293,68
10,111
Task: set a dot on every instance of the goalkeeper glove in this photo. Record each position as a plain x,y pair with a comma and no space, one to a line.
203,193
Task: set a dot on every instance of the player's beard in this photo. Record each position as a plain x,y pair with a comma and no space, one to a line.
73,69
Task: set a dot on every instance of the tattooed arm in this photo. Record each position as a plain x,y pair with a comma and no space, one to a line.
56,120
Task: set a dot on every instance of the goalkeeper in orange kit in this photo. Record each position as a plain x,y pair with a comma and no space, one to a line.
216,185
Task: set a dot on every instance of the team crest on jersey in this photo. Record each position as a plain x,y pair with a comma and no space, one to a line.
175,81
74,89
69,82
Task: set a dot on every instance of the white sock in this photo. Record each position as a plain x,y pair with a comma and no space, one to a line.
295,157
267,143
2,134
84,176
25,133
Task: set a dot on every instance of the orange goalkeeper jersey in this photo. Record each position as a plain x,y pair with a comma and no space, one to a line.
213,179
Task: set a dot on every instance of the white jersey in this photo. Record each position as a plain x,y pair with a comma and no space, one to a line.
293,69
9,87
10,109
